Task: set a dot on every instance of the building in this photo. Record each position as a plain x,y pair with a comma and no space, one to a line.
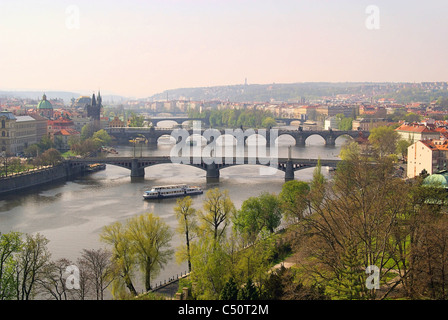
417,132
116,123
18,132
62,137
79,122
429,155
7,127
41,126
331,123
367,124
45,108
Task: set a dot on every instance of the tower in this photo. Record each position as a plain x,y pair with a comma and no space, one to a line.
94,109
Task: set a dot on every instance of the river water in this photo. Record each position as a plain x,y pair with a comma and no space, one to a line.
72,214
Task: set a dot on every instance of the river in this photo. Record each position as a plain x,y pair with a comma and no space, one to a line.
72,214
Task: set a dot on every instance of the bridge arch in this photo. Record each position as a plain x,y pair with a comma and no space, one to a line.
256,139
166,123
343,138
315,139
285,139
166,139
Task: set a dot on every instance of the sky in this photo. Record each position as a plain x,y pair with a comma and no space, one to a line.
137,48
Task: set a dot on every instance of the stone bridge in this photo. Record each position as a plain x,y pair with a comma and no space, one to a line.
212,166
123,135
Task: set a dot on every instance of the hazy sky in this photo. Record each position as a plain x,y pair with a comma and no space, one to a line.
138,48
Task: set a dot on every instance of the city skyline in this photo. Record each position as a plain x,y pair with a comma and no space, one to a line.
137,49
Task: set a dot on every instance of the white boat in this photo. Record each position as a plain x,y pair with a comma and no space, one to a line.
171,191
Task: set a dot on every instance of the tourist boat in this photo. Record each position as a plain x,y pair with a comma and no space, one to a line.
172,191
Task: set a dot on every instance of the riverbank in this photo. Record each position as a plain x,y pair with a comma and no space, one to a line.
31,179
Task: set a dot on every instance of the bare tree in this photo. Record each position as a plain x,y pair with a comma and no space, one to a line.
97,269
31,263
52,283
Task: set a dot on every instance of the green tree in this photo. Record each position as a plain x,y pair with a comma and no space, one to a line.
384,140
230,290
350,150
402,147
150,239
268,122
186,216
87,131
123,258
257,214
10,245
215,217
136,121
102,137
249,291
294,198
345,124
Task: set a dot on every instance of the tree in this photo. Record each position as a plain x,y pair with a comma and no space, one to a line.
186,216
257,214
136,120
53,280
353,227
123,258
98,269
230,290
350,150
31,262
268,122
345,124
10,245
103,138
150,239
249,291
294,198
51,157
384,140
216,215
402,147
87,131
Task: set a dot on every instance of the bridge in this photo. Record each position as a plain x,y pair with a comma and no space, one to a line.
123,135
212,166
181,120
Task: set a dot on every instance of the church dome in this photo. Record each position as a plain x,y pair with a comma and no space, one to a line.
436,180
44,104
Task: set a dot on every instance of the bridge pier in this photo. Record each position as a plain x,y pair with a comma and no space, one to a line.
289,172
212,173
300,140
330,140
136,169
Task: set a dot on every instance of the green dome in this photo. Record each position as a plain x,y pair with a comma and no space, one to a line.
44,104
436,180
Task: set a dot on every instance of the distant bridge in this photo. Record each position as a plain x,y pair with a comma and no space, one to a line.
181,120
212,166
300,136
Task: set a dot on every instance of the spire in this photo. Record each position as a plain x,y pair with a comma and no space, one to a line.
99,99
93,100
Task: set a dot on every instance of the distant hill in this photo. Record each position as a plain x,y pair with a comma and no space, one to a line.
266,92
65,95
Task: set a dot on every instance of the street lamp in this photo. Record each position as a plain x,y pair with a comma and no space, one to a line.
5,161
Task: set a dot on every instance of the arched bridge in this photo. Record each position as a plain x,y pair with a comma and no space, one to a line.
123,135
212,166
